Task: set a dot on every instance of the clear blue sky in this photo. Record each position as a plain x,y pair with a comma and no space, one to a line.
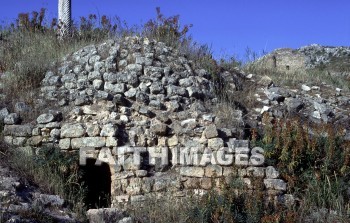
230,26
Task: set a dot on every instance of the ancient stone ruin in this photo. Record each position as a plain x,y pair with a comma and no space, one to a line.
139,107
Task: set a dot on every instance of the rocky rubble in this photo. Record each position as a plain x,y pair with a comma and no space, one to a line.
19,201
318,55
312,104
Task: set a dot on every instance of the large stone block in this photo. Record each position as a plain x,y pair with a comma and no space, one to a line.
271,172
72,130
64,144
35,141
96,142
211,131
192,171
12,119
18,130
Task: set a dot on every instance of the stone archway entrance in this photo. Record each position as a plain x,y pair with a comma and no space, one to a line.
97,179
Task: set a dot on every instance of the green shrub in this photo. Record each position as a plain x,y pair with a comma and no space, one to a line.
316,166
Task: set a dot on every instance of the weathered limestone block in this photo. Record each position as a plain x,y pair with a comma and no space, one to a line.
110,130
18,130
265,81
55,133
96,142
19,141
12,119
173,141
115,88
45,118
52,125
173,90
189,123
206,183
276,184
134,68
141,173
191,182
92,129
65,144
271,173
111,142
156,88
3,113
8,140
192,171
35,140
211,131
70,130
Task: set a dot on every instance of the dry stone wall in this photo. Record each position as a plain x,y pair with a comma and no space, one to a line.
140,106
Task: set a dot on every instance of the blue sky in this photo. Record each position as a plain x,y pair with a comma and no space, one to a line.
229,26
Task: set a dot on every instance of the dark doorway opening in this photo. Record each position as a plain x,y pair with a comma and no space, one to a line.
97,180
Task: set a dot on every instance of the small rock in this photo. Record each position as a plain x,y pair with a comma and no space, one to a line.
265,81
271,172
159,129
45,118
211,131
293,104
12,119
275,184
3,113
305,88
109,130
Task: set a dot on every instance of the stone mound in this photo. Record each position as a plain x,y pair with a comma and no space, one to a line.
135,99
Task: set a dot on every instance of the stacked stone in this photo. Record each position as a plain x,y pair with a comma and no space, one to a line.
15,133
135,69
136,96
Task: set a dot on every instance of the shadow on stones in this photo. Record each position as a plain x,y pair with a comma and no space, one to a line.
97,180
